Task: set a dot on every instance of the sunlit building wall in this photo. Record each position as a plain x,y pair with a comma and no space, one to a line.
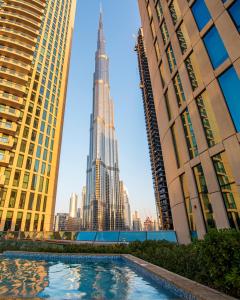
193,50
73,206
35,46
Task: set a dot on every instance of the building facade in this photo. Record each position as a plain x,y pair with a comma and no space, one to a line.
35,46
193,50
155,150
73,206
61,221
136,222
126,206
103,209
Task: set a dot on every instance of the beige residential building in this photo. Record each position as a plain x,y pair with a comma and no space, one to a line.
35,46
193,50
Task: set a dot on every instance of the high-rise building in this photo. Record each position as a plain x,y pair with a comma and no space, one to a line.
61,220
35,46
73,206
193,51
148,224
136,222
155,149
103,209
126,206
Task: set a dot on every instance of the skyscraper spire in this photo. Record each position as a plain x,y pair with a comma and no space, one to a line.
103,209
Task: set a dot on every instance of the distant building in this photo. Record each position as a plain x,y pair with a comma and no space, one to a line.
126,206
61,220
73,208
73,224
148,224
137,224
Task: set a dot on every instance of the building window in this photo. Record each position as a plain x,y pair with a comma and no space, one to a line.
176,141
164,32
171,58
189,134
22,200
8,221
169,112
230,84
3,193
1,212
16,178
183,38
42,223
228,188
162,74
215,47
12,200
174,11
206,206
179,90
35,223
30,202
234,12
18,221
188,205
201,13
208,119
157,50
153,29
159,11
28,222
193,71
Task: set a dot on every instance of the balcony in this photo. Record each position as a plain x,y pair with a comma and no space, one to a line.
11,100
14,53
28,5
23,11
12,75
7,41
12,87
6,142
17,25
28,21
4,159
16,64
39,3
8,127
9,113
19,35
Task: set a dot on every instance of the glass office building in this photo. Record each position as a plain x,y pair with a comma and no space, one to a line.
193,50
35,46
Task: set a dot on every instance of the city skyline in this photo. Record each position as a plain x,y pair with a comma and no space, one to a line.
137,166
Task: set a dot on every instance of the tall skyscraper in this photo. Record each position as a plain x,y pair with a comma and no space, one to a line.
155,149
73,206
103,209
126,206
35,46
193,51
137,224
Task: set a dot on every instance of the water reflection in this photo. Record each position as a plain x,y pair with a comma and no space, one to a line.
22,278
87,280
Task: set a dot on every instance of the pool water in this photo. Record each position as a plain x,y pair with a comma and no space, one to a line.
85,280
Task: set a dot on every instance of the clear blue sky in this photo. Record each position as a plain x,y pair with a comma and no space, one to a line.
121,23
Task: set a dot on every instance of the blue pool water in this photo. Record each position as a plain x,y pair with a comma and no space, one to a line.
88,280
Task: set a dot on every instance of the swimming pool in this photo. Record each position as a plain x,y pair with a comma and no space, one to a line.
77,277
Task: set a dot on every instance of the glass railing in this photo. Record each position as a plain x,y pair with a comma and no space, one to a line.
6,125
16,51
19,24
14,61
4,140
30,5
12,84
93,236
12,72
23,9
17,32
19,16
10,97
14,41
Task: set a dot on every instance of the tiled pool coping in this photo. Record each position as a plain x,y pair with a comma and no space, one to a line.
181,286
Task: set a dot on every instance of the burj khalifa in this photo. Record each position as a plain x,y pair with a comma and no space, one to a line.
103,207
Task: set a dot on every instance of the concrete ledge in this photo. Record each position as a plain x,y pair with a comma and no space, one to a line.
197,290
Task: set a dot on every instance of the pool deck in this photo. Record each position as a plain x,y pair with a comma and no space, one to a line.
195,290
